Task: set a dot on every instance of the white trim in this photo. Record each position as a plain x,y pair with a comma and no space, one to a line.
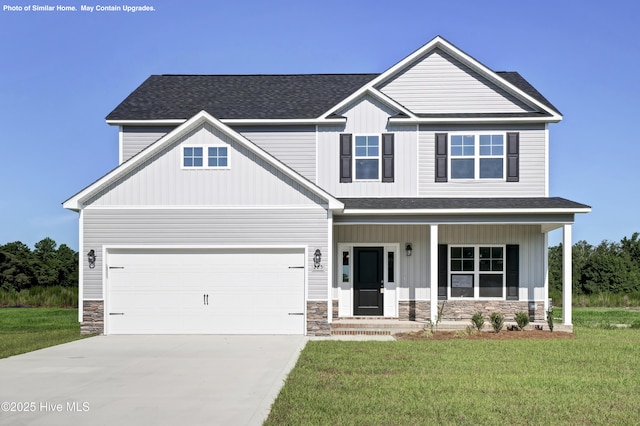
433,273
546,160
120,145
329,267
75,202
566,274
81,258
205,156
545,266
355,158
382,97
204,207
477,272
477,156
470,120
439,42
461,211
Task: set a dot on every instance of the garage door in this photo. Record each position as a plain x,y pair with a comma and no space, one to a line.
205,291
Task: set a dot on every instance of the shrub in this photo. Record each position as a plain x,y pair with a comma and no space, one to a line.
497,321
477,320
550,319
522,319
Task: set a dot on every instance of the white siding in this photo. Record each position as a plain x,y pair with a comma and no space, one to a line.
161,181
414,270
368,116
135,139
438,83
294,146
206,227
532,159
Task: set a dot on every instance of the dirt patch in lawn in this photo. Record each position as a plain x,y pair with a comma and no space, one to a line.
485,335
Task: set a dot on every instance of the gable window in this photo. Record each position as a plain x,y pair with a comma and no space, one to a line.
367,158
205,157
477,271
477,156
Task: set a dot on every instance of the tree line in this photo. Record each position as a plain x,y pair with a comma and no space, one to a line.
46,265
610,267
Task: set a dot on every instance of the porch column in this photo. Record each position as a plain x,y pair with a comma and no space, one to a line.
433,272
329,266
566,274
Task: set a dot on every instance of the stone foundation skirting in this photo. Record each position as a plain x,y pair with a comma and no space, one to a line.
464,309
92,317
317,320
335,308
414,310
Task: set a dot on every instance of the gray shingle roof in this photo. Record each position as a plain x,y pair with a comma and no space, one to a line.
238,96
299,96
460,203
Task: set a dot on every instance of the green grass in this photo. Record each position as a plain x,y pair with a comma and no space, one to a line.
28,329
591,379
601,317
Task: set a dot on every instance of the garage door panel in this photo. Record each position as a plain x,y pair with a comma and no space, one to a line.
182,291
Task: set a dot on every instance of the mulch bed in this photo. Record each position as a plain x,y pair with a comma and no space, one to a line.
484,335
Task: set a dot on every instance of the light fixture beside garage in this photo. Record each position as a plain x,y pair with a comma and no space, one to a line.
91,258
408,248
317,258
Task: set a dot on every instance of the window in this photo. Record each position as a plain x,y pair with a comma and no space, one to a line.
217,157
477,271
367,158
477,156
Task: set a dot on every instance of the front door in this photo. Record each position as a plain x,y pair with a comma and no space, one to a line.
368,280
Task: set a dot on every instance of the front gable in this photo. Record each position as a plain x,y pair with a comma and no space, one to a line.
165,175
437,82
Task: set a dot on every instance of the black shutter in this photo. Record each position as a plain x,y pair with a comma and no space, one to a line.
345,158
513,271
441,157
442,271
513,162
387,157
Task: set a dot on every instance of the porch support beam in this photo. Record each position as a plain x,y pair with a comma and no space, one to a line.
566,274
329,267
433,272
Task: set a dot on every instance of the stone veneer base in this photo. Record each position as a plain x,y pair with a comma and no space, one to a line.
92,317
317,319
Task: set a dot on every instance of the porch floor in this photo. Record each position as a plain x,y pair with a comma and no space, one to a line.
376,326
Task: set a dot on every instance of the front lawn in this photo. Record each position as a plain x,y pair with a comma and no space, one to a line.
27,329
593,378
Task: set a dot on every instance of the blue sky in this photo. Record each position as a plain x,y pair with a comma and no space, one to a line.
61,73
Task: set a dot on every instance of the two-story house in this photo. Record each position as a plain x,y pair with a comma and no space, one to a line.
280,203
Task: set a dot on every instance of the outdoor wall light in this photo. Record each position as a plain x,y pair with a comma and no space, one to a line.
91,258
409,249
317,258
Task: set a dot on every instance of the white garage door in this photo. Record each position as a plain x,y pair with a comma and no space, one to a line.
205,291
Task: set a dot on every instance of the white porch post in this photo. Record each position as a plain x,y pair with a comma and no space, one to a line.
566,274
329,266
433,272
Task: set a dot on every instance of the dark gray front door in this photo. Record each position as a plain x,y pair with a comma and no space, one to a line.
368,280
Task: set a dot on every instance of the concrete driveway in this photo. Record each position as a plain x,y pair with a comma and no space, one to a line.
148,380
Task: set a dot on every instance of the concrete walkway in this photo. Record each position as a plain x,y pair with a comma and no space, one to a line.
148,380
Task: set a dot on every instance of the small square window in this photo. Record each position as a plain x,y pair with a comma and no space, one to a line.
218,157
192,157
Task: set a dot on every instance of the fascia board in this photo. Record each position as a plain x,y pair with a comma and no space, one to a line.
74,203
461,211
497,120
390,102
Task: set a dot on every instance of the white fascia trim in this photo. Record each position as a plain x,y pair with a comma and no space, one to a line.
497,120
390,102
232,121
200,118
206,207
461,211
166,122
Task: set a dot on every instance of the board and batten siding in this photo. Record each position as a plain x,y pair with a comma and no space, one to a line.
368,116
134,139
438,83
532,157
207,228
161,180
295,146
414,270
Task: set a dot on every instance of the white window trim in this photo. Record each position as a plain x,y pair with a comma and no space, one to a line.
476,272
205,157
476,156
356,158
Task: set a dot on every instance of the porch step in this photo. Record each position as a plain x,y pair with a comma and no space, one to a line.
367,326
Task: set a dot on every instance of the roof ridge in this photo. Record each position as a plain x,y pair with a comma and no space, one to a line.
266,75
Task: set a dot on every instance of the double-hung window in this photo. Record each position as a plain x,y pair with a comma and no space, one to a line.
477,156
205,157
367,157
477,271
